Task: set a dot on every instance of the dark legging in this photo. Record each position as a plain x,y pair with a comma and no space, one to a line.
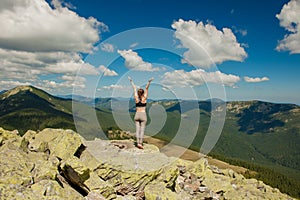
140,123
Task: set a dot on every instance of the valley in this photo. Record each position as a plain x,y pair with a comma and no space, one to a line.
256,135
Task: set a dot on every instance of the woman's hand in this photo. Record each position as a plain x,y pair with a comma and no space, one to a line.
148,84
129,78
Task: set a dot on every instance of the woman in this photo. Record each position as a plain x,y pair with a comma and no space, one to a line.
140,117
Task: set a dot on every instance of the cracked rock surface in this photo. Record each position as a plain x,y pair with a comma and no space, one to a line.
60,164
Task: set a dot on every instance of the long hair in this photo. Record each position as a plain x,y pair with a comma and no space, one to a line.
140,93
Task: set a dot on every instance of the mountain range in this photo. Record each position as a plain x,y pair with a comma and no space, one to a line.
256,133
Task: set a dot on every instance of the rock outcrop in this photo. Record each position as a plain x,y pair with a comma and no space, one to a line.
59,164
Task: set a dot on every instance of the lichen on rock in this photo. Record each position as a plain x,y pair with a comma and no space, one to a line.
59,164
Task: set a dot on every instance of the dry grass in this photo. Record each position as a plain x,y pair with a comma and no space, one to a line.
187,154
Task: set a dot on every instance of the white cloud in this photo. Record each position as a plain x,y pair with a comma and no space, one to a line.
49,85
134,62
33,25
115,86
206,44
243,32
68,82
27,65
107,47
72,68
5,85
133,45
289,18
180,78
18,66
115,90
37,39
58,3
255,80
73,78
106,71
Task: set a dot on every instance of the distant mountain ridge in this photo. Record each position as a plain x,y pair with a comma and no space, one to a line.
251,116
261,116
256,132
28,106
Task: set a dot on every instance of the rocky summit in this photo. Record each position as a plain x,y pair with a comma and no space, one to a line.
60,164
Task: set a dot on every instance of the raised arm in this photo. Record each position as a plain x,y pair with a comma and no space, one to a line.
134,88
147,87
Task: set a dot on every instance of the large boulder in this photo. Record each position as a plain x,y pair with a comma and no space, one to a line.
30,165
17,192
157,190
61,143
129,169
51,189
59,164
7,135
99,186
16,166
76,172
45,166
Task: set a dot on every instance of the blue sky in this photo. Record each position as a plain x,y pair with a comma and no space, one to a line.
234,50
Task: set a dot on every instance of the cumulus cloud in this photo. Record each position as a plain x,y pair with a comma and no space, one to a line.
73,78
115,86
20,66
67,81
206,44
29,65
181,78
10,84
134,62
52,84
289,18
39,39
243,32
59,3
48,85
115,90
134,45
72,68
34,26
106,71
107,47
255,80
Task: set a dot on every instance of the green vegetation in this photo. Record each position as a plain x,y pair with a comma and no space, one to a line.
267,175
35,120
274,155
260,136
34,110
259,117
